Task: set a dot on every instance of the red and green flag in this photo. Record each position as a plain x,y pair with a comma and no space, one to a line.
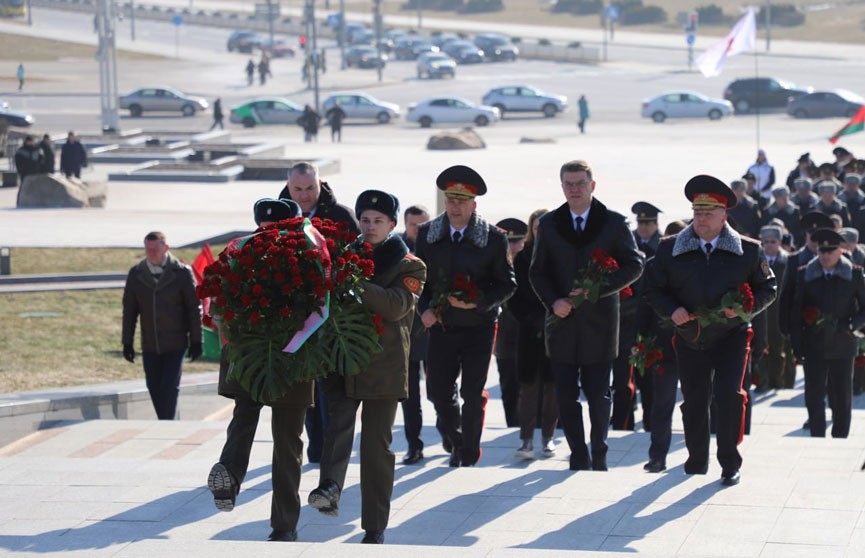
856,124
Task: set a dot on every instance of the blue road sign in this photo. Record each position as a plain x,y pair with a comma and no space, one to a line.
612,13
691,38
177,20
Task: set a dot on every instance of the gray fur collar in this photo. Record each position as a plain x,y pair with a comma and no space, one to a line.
844,269
477,231
688,241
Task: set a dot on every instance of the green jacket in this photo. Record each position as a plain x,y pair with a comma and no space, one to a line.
391,293
169,309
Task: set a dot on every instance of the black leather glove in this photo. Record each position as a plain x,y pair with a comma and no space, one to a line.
194,351
129,353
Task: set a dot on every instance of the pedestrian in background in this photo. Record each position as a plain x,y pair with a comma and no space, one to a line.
161,291
309,120
250,72
217,115
28,159
335,115
73,156
47,154
583,105
20,75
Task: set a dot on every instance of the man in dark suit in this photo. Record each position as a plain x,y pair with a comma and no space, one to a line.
471,277
582,341
690,276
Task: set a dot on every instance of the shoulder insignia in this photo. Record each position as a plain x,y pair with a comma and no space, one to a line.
764,267
411,283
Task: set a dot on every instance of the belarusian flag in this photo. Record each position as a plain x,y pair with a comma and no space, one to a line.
856,124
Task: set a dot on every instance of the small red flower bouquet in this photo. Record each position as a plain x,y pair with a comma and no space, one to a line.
741,301
645,354
593,277
461,286
626,293
816,320
288,302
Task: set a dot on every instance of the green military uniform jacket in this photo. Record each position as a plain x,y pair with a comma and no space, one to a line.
391,293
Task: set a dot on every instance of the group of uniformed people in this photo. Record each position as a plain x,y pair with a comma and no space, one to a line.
443,285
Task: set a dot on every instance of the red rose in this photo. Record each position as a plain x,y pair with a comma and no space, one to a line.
257,289
246,300
810,314
279,277
747,297
285,312
254,318
263,302
207,321
221,301
228,316
626,293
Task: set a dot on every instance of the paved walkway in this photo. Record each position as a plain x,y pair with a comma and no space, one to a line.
137,489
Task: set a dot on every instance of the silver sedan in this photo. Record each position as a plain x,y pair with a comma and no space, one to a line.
161,99
450,110
685,104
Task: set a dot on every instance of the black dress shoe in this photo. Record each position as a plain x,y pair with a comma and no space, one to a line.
223,487
283,536
412,457
373,537
447,445
455,460
599,463
730,478
325,498
654,466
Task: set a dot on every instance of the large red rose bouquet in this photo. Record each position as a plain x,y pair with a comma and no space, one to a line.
289,305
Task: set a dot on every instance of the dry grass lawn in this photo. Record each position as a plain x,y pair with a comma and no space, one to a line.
20,48
26,261
58,339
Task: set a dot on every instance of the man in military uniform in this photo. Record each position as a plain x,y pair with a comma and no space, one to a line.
770,365
786,212
647,237
391,294
647,233
287,418
828,313
829,203
852,196
746,213
805,168
804,197
851,247
844,162
692,272
316,199
506,334
582,341
458,247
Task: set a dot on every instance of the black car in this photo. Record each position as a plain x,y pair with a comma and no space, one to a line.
364,57
496,47
464,52
243,41
409,48
750,93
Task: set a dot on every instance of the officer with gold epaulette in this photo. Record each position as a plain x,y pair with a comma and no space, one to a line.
470,277
692,273
827,316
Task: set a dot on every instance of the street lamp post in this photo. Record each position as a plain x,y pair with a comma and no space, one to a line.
107,56
378,33
315,53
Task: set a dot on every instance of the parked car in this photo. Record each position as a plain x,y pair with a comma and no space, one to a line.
358,105
450,110
365,57
441,39
749,93
410,48
270,110
436,65
13,118
464,52
497,47
4,105
822,104
524,98
279,48
161,99
362,37
352,29
243,41
685,104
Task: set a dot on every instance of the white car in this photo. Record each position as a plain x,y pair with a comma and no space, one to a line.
524,98
161,99
451,110
685,104
361,105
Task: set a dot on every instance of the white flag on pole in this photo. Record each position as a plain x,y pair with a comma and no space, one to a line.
743,38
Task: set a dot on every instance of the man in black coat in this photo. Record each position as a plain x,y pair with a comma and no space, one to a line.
73,156
782,209
47,154
583,341
316,199
746,213
470,277
689,279
412,413
827,316
28,159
